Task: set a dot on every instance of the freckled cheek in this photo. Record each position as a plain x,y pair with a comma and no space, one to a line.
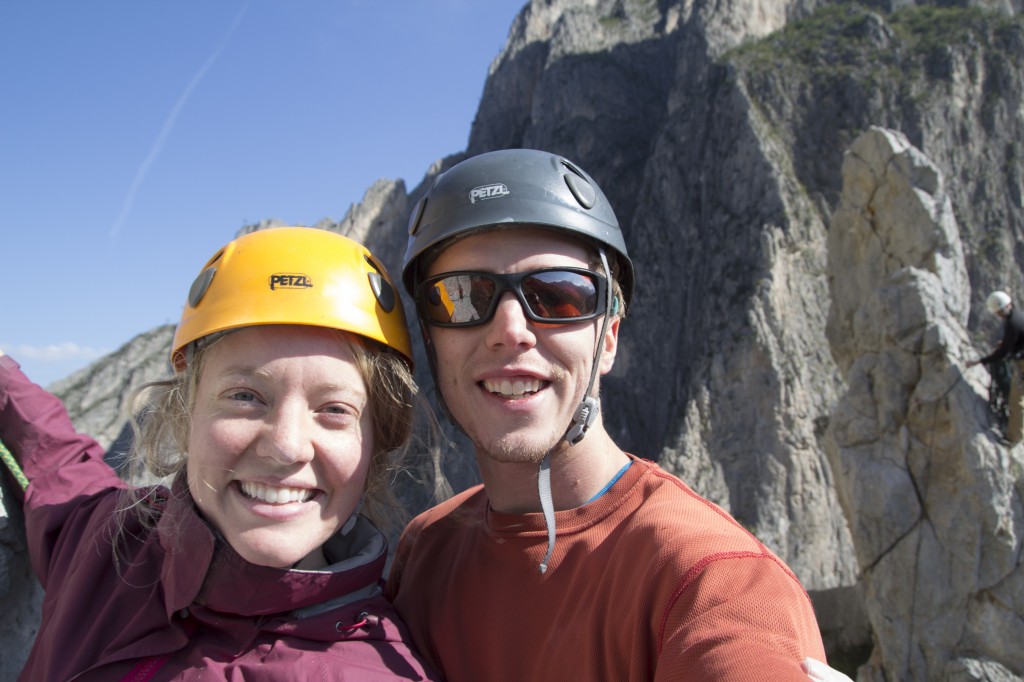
231,437
452,384
346,464
216,444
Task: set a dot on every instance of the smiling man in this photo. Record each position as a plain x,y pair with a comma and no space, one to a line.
574,560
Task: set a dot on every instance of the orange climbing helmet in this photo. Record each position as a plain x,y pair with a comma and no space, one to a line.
293,275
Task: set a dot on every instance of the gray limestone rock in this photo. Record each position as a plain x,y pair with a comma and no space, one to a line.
932,499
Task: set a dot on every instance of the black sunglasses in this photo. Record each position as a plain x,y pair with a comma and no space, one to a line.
548,295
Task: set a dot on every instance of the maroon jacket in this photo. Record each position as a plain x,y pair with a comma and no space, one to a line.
182,605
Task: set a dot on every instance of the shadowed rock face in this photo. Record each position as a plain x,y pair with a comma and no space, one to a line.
794,349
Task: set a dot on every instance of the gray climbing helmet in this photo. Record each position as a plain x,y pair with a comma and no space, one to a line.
508,188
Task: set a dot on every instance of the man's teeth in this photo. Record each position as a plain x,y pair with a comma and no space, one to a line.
267,493
512,389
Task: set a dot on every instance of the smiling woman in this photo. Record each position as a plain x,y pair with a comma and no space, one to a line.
257,558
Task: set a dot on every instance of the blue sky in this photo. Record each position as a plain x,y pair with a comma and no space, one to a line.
137,136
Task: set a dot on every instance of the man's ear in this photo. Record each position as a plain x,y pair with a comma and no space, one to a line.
611,345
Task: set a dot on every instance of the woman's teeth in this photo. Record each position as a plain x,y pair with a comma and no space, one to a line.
273,495
508,388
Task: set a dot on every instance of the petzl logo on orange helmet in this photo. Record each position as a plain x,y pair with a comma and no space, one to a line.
287,280
487,192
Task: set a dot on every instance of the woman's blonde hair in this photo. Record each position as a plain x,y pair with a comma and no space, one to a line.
161,422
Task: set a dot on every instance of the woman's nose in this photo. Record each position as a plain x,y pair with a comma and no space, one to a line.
285,438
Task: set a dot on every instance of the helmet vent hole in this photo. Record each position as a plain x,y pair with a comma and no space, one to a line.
200,286
382,291
416,215
582,190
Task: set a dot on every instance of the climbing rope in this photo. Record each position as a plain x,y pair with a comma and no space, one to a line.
12,464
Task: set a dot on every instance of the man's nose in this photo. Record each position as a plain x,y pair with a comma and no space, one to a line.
510,326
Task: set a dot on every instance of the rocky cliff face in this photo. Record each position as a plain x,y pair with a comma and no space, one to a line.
772,311
933,500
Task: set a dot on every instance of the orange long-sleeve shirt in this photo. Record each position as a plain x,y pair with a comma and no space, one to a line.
648,582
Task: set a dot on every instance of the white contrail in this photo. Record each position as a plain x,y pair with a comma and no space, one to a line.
158,144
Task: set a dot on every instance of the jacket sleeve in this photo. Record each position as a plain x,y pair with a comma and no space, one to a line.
65,469
1008,344
998,353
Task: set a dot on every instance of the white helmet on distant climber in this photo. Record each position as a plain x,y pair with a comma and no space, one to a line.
996,301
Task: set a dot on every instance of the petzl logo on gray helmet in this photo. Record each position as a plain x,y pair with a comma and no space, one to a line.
487,192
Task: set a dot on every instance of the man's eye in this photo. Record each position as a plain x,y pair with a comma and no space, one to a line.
243,396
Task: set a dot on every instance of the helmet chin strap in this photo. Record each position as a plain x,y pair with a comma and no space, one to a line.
586,413
582,420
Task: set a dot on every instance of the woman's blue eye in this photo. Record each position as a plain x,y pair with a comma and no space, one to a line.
245,396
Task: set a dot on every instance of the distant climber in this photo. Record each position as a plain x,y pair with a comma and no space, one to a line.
1010,349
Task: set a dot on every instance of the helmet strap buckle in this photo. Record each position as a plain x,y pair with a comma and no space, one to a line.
583,419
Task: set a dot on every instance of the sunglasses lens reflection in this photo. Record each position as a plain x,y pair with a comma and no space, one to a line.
470,298
459,299
560,295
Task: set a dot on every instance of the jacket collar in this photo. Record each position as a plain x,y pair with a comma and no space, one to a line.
201,567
